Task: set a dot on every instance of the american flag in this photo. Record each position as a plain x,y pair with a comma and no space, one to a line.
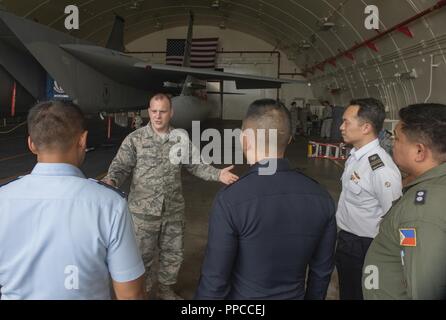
203,52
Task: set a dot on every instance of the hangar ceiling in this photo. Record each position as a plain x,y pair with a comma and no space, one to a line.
290,25
310,32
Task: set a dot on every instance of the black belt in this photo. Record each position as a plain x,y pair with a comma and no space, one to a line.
351,236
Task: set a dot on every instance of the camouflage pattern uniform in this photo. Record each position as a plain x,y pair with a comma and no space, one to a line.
155,197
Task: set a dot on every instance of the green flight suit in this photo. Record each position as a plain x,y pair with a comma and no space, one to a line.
408,257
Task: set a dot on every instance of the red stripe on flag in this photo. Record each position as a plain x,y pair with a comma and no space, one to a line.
203,52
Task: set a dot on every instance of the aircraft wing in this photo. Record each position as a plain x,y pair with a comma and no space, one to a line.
132,71
102,78
242,81
92,90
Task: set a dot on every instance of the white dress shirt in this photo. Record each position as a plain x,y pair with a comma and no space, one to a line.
370,183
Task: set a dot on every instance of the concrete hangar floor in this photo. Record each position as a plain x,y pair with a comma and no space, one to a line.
16,160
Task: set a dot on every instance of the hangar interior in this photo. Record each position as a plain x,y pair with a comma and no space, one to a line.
325,43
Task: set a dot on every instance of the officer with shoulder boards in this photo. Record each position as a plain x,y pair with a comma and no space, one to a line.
370,183
407,259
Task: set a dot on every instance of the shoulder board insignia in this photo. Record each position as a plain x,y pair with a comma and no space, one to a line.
122,194
376,162
420,197
18,178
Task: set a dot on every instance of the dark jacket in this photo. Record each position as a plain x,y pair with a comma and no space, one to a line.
264,232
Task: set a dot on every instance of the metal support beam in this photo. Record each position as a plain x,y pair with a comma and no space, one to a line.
370,43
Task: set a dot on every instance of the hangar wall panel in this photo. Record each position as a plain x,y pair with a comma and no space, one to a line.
263,64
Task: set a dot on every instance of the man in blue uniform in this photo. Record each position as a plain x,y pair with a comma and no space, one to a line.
62,236
266,230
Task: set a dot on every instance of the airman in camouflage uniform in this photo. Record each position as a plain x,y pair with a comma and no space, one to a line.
155,197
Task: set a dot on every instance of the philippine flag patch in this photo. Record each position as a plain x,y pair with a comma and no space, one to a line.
408,237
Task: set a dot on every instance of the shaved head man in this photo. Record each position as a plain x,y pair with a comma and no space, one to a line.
271,226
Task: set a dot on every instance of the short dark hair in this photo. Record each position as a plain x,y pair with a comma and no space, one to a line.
269,114
54,125
371,110
426,123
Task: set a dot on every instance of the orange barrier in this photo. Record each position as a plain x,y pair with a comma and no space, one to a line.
333,151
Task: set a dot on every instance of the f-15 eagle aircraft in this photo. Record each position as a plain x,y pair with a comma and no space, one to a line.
103,80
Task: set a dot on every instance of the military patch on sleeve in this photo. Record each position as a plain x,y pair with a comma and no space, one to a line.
408,237
420,197
376,162
102,183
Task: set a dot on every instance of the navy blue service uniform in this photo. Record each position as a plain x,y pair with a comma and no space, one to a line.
264,232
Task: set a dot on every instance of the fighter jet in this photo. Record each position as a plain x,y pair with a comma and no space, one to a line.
102,80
